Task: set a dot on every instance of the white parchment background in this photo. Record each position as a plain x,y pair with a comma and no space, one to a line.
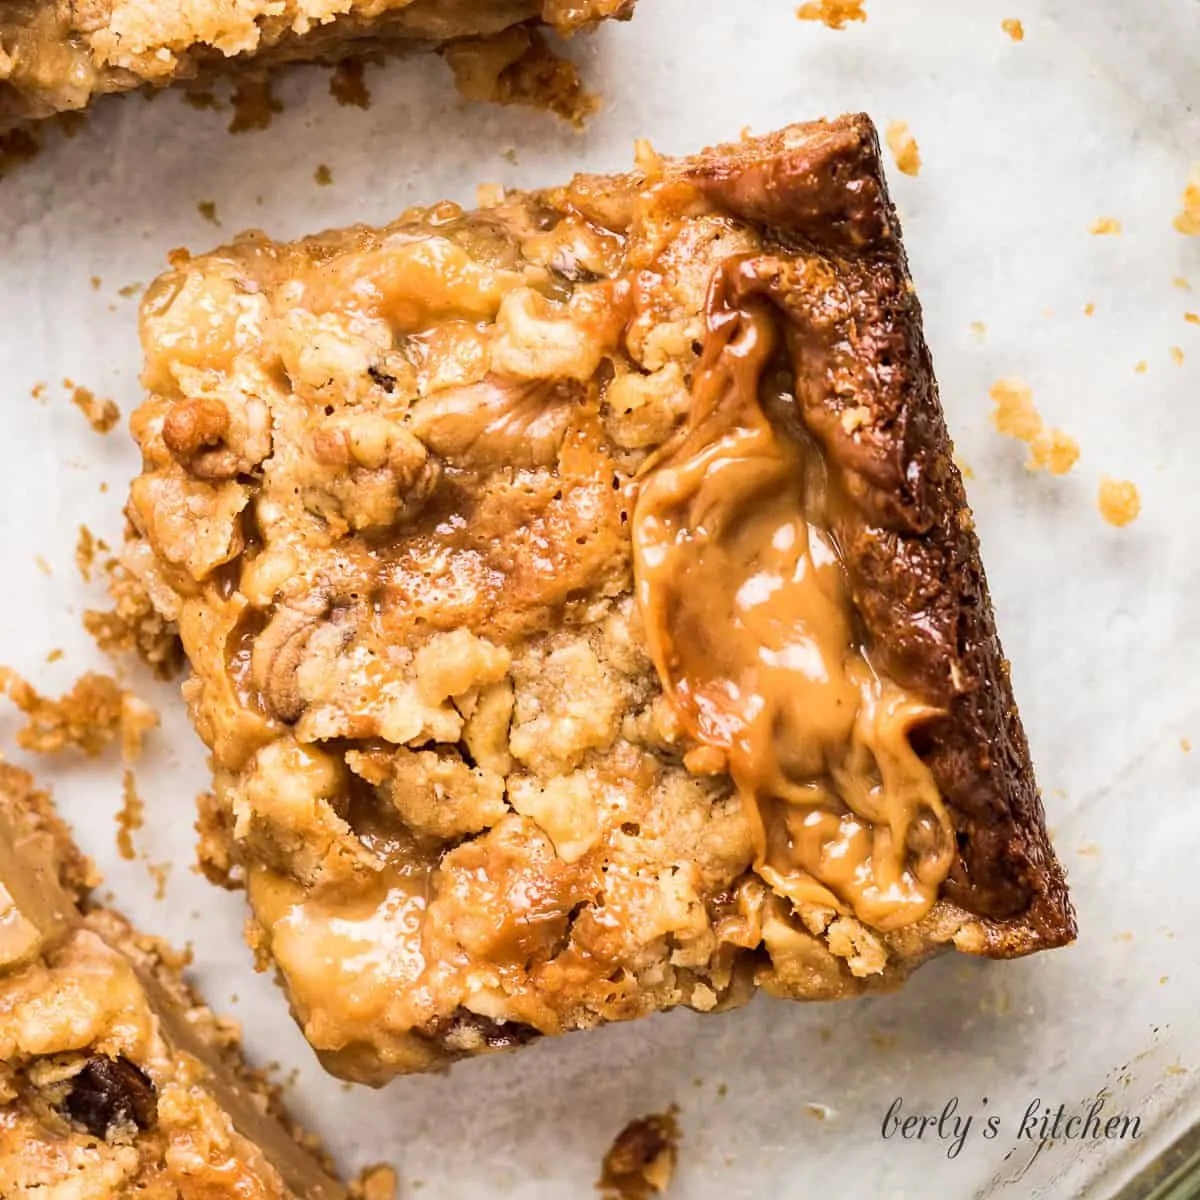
1024,145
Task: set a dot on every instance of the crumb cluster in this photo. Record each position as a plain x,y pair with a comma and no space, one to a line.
1016,416
834,13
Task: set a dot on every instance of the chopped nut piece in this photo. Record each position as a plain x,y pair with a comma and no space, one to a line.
1013,28
1188,221
904,148
1119,501
834,13
642,1158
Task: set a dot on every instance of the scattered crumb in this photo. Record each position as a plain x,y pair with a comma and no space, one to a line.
1177,356
39,393
130,290
160,873
208,210
519,67
1185,744
1124,936
96,281
133,625
86,548
43,565
54,655
510,155
1181,283
254,104
1174,1068
1089,310
1188,221
834,13
822,1112
1104,225
882,1041
963,468
102,414
904,148
647,160
1191,318
1163,979
88,717
1015,416
1013,28
979,329
642,1159
201,98
722,1090
130,816
1142,367
347,84
1119,502
323,175
1088,850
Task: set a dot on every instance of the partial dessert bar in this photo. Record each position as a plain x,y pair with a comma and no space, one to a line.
114,1079
55,55
583,607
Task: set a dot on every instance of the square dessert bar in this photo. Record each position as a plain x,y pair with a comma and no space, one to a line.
583,607
115,1080
55,55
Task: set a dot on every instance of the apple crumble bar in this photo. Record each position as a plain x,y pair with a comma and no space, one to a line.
114,1079
55,55
583,608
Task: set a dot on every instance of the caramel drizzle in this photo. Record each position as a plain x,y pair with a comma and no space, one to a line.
751,628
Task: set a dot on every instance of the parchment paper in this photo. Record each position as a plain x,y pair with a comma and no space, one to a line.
1024,146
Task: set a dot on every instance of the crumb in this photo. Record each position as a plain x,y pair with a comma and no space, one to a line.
1185,744
1188,221
1089,310
488,195
130,290
86,547
882,1041
1104,225
96,281
1119,502
39,393
642,1158
160,873
722,1091
1177,356
1142,367
904,148
822,1112
347,83
647,160
254,104
510,155
1013,28
979,329
208,210
130,816
1015,416
963,468
133,625
518,66
54,656
834,13
88,717
323,175
1192,318
1181,283
43,565
1163,979
201,99
102,414
376,1182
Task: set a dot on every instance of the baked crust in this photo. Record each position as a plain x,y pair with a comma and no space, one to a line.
395,498
114,1078
55,55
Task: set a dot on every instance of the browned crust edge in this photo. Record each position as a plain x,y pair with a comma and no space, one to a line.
906,530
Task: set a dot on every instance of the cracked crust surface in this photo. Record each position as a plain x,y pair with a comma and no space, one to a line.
388,483
115,1080
55,55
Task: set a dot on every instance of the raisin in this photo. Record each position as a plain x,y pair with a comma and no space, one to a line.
110,1092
